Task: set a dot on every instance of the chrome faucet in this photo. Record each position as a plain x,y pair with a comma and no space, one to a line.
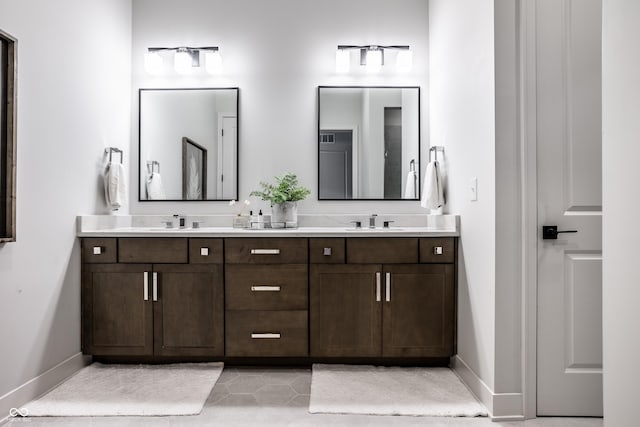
372,220
181,220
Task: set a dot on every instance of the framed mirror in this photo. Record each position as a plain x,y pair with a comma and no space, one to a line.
8,60
368,143
188,147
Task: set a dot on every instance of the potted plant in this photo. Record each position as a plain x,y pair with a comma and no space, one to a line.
283,196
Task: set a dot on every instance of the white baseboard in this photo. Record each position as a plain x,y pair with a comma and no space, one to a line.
501,406
41,384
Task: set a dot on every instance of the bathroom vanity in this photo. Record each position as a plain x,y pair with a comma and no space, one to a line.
301,295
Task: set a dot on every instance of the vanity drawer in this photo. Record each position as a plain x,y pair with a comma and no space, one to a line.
205,251
266,287
437,250
386,250
266,333
99,250
326,251
266,251
153,250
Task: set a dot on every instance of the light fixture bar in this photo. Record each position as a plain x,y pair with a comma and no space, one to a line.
185,58
156,49
372,56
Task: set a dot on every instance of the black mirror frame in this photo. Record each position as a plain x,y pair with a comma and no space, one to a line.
418,184
8,65
140,92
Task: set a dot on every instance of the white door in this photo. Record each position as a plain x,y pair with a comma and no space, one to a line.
227,157
569,137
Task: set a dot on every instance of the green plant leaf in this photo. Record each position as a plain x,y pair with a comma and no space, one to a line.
285,189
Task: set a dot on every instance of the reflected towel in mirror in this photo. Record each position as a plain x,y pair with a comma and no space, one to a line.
432,192
115,191
155,188
410,187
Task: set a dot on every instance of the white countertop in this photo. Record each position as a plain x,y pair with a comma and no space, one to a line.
310,226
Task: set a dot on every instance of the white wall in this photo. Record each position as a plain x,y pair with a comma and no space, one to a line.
463,121
508,254
73,100
277,53
620,154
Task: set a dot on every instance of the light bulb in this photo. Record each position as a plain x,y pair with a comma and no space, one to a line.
153,63
343,60
404,61
374,60
182,62
213,62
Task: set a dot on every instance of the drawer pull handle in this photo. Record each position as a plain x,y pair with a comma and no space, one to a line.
155,286
265,251
265,289
388,286
268,336
145,290
378,286
97,250
204,251
437,250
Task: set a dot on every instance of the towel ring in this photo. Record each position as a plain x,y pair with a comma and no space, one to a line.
412,165
151,166
435,150
112,150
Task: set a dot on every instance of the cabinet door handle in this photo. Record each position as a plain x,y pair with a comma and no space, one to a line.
267,336
388,286
265,289
97,250
145,290
265,251
378,286
155,286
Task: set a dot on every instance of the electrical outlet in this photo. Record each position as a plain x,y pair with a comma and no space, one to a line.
473,189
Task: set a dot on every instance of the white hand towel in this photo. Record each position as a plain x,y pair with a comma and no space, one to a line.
410,186
115,185
155,188
432,192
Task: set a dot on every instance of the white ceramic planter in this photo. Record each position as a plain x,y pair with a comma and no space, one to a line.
284,215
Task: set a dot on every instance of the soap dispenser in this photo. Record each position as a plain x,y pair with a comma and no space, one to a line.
260,219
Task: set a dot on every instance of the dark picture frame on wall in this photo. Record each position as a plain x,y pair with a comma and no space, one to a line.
8,62
194,170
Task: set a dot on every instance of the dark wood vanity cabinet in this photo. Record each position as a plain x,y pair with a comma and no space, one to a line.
317,298
266,297
388,309
161,309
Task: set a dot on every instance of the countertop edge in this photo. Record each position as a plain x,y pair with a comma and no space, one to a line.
268,233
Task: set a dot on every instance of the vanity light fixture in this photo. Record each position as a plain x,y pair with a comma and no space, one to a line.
372,57
185,59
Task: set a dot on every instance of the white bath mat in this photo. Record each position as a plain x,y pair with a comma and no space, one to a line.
370,390
112,390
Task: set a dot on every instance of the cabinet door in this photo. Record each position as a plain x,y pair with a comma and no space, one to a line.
345,311
418,313
117,316
188,310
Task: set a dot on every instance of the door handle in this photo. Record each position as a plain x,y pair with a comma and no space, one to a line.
155,286
378,286
550,232
387,287
145,290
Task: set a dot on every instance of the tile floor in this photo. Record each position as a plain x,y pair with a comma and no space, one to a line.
279,397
